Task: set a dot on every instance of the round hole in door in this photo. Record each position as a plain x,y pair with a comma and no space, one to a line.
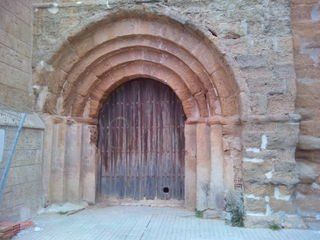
165,190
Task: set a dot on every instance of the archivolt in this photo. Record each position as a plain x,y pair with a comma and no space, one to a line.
126,45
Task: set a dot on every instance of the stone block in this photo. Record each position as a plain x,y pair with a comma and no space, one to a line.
15,26
15,60
310,127
309,142
301,12
20,10
14,78
258,221
258,190
212,214
312,223
284,177
255,205
283,136
282,206
285,166
293,221
283,220
24,157
259,103
264,81
280,104
252,61
307,71
255,172
251,139
308,171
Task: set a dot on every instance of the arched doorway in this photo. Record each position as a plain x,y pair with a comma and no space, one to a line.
130,44
141,143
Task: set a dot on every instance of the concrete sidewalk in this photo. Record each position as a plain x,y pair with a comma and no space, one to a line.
150,223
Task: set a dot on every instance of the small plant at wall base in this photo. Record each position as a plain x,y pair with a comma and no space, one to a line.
235,209
274,227
199,214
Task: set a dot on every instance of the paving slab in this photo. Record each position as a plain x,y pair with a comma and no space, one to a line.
147,223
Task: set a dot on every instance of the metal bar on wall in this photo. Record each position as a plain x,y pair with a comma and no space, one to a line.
4,177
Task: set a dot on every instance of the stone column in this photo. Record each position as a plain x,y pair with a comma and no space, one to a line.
190,165
58,162
89,163
47,157
73,162
203,166
216,200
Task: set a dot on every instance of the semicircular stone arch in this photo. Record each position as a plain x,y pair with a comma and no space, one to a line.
128,44
99,90
108,36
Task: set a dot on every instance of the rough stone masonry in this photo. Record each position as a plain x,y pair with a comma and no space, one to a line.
247,73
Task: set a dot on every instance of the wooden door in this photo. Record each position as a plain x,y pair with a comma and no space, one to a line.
141,140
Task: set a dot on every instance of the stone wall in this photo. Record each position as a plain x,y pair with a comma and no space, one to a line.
22,195
268,46
306,29
16,53
255,39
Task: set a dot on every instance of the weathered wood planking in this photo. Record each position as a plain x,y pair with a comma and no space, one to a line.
141,139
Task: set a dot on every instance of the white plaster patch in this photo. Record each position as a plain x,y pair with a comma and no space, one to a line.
313,53
79,2
36,89
2,141
251,196
315,186
244,26
253,160
86,111
106,2
255,214
255,150
269,174
279,196
315,56
268,210
267,199
42,65
54,8
37,229
59,106
275,44
264,142
300,196
42,94
315,13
